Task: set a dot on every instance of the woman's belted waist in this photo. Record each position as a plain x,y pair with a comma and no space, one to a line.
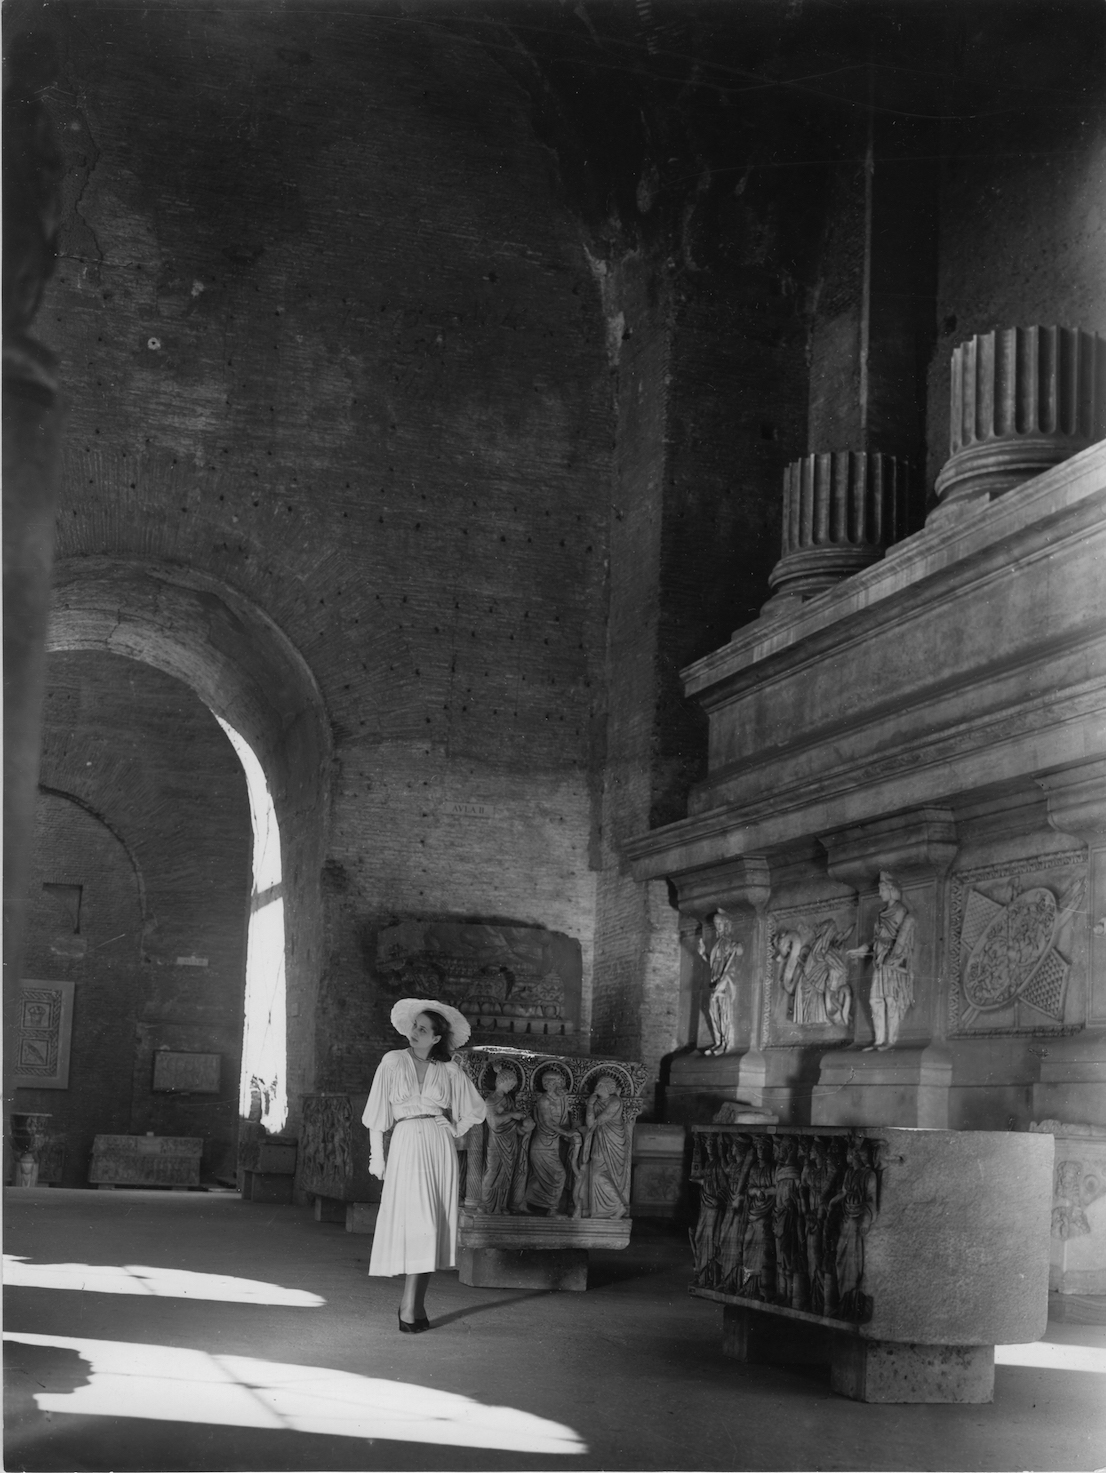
402,1118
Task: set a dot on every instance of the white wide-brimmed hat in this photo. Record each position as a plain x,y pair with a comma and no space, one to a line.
408,1008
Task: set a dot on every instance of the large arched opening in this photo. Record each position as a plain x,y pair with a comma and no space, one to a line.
249,675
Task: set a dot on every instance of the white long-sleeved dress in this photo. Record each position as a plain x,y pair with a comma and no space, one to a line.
416,1228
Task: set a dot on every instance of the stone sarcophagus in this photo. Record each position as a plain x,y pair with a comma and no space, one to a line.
547,1175
334,1160
901,1257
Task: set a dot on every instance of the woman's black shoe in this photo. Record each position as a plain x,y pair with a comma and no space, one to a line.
413,1327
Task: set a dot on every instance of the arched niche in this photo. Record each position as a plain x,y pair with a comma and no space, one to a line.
250,675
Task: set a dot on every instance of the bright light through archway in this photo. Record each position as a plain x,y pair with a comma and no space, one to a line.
264,1034
163,1283
166,1383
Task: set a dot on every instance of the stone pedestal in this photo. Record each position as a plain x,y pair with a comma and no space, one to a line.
841,511
899,1086
879,1370
1023,399
330,1209
522,1268
267,1186
361,1217
748,1335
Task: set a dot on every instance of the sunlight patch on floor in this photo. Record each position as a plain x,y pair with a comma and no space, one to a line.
166,1383
1051,1357
165,1283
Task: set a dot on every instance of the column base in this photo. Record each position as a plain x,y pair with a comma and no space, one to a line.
893,1371
524,1268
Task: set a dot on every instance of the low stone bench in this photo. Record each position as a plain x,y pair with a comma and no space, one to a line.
900,1257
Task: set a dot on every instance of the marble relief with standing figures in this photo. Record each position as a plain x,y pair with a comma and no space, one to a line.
784,1216
558,1135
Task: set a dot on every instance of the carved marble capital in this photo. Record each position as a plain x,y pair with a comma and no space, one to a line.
918,844
1077,800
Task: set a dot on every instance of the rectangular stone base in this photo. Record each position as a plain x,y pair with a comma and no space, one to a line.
329,1209
266,1186
899,1086
523,1268
361,1217
890,1371
749,1336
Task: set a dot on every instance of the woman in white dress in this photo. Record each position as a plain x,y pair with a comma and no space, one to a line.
422,1096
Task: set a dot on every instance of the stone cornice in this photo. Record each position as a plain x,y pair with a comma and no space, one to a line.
1057,506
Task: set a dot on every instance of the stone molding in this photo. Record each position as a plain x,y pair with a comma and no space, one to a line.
914,845
738,884
1077,800
841,511
1022,399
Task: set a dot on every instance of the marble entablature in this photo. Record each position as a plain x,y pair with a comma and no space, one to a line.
941,721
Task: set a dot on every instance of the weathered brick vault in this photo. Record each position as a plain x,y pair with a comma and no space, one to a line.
430,372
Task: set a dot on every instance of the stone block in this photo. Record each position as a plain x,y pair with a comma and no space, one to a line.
522,1268
750,1336
659,1178
266,1186
878,1370
361,1217
146,1161
329,1209
898,1086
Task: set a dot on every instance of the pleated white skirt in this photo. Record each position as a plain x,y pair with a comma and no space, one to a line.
416,1227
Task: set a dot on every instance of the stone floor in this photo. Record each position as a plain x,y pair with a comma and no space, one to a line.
168,1331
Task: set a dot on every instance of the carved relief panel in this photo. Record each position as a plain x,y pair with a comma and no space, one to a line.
1018,946
783,1217
558,1134
809,985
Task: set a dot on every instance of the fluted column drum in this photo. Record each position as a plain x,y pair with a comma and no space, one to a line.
841,512
1023,399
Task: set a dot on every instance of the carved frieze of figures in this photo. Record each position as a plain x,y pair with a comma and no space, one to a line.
722,957
784,1217
558,1135
811,969
326,1153
891,995
1012,939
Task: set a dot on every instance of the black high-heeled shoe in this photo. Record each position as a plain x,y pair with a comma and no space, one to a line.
413,1327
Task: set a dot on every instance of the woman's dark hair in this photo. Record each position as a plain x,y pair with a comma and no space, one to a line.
441,1052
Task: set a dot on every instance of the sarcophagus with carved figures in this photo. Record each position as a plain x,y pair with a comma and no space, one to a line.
900,1256
549,1170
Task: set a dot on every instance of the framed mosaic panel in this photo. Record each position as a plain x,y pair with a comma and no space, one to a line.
43,1035
1017,946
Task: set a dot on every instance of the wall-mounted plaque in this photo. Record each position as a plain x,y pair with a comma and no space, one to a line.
43,1036
180,1073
